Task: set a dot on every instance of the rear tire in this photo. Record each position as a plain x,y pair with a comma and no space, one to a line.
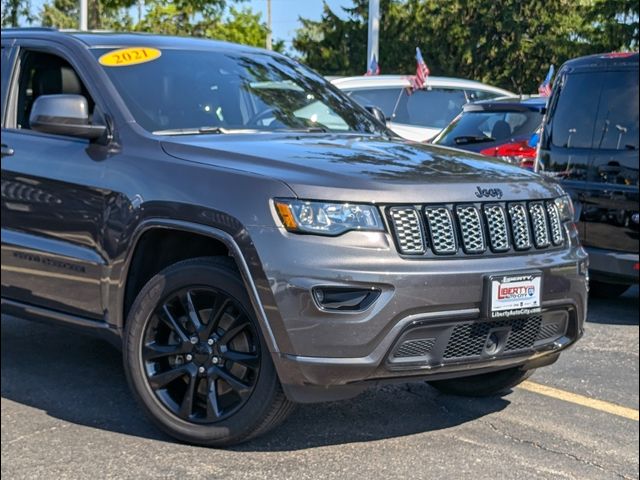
607,290
484,385
195,359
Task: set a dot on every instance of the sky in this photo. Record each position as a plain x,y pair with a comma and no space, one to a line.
284,13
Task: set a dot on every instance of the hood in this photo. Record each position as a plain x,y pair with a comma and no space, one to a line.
362,168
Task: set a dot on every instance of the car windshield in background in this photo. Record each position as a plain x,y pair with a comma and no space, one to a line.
591,112
184,92
432,107
479,127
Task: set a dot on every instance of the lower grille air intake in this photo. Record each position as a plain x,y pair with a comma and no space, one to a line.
468,340
415,348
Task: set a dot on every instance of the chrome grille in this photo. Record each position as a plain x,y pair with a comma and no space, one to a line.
471,229
497,222
520,226
554,222
539,222
498,227
408,230
443,238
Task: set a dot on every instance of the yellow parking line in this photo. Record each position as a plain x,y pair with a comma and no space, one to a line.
601,405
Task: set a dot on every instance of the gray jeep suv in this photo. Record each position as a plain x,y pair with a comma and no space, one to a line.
252,238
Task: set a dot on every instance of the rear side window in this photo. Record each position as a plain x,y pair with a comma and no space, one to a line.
597,110
617,123
383,98
433,108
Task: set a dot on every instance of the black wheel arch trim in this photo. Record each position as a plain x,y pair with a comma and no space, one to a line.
117,301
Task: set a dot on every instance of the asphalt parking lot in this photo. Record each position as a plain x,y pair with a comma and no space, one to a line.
67,413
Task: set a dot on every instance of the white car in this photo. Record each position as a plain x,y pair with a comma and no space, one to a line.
421,115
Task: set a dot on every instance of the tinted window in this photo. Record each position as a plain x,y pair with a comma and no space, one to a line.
597,110
433,108
383,98
617,123
492,126
475,95
185,89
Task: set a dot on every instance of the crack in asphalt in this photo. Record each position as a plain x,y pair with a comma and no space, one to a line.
557,452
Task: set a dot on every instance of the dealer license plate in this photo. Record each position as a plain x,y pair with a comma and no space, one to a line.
515,294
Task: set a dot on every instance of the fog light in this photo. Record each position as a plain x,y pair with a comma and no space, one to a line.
345,298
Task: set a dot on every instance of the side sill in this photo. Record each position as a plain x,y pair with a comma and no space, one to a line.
52,317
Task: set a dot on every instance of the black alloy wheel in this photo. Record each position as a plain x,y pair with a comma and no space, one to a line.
195,357
201,354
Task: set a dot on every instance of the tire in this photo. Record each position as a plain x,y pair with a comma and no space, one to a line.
607,290
210,383
484,385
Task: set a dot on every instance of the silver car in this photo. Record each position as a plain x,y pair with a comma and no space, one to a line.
421,115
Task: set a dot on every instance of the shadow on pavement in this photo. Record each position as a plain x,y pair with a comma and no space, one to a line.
80,379
615,311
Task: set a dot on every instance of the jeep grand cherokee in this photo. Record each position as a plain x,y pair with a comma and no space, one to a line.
252,238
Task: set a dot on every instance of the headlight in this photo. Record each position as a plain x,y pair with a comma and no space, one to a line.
565,208
324,218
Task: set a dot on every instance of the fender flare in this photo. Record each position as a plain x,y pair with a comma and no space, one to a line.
205,230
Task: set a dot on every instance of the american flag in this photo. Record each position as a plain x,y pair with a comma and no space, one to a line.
422,72
545,87
374,68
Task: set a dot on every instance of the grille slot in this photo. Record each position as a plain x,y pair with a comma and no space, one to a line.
540,228
408,229
471,229
468,340
415,348
520,226
498,233
443,238
554,222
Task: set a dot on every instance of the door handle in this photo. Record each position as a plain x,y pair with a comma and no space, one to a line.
6,150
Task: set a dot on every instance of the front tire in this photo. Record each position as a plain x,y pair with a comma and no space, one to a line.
195,359
484,385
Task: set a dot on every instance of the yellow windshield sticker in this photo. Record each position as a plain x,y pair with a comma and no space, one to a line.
129,56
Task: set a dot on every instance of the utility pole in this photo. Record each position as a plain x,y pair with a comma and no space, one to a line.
83,14
140,7
374,32
269,44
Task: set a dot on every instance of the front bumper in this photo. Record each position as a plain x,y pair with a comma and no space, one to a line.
328,355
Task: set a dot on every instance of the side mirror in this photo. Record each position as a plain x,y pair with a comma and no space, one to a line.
64,115
377,113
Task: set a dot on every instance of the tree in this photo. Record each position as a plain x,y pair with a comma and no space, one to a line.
613,25
508,43
14,10
195,18
65,13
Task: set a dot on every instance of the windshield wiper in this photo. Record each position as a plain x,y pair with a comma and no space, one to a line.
314,129
466,139
202,131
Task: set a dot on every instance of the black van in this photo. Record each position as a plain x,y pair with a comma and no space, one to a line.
590,144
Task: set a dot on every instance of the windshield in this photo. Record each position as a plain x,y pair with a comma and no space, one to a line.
476,127
191,91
